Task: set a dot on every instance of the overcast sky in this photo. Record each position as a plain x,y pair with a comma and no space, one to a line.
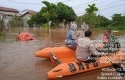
106,7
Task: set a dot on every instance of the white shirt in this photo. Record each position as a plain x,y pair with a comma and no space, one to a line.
85,48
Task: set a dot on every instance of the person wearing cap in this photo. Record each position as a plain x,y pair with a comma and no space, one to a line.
71,37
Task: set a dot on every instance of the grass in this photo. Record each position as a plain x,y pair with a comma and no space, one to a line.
2,36
2,33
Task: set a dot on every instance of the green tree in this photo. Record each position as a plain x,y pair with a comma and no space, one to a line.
118,20
92,9
37,20
91,20
48,12
16,21
65,14
79,20
55,13
103,21
90,16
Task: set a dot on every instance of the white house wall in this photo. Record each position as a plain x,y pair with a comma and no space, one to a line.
6,16
25,19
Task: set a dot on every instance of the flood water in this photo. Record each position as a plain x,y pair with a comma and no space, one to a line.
17,60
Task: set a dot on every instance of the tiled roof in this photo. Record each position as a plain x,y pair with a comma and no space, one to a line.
8,9
29,12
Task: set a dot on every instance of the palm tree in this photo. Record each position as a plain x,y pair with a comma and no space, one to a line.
90,16
91,9
48,12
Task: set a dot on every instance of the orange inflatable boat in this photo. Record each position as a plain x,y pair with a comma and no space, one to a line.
67,64
60,52
24,36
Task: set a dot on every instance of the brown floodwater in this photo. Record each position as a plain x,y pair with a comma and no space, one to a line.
17,60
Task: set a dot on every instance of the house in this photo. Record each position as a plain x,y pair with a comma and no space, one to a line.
26,15
6,14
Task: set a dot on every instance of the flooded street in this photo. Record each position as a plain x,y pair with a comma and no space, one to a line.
17,60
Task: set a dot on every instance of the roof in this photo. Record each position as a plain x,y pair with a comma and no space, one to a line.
29,12
8,9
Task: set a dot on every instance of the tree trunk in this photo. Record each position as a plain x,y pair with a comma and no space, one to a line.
2,27
48,28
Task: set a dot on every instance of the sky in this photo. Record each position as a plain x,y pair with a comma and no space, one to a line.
106,7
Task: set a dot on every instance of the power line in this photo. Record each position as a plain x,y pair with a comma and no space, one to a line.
65,1
18,2
24,2
108,7
99,2
86,6
113,6
85,3
112,3
103,3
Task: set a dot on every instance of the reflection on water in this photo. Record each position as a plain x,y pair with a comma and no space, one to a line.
17,60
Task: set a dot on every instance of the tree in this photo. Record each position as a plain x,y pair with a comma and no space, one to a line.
71,16
91,9
90,16
55,14
36,19
15,21
79,20
103,21
118,20
65,12
48,12
2,27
